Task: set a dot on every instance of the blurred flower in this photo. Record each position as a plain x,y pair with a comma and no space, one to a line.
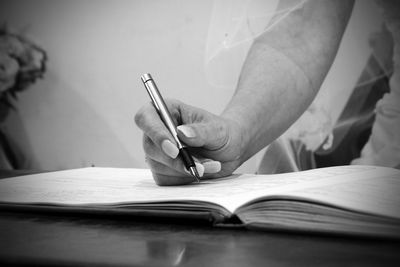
21,64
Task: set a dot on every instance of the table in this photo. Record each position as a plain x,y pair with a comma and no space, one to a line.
72,240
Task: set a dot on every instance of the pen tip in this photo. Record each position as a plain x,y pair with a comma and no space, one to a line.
194,173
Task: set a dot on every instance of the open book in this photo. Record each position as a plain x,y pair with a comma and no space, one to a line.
360,200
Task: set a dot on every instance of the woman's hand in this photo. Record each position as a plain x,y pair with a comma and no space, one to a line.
215,142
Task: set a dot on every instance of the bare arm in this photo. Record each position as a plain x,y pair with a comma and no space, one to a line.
284,70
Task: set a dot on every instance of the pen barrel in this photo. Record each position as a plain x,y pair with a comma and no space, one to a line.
161,107
186,157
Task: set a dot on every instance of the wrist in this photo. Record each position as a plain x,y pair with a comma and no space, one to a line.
239,137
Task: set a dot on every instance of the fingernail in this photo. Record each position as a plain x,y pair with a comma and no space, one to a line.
187,131
212,166
200,169
170,149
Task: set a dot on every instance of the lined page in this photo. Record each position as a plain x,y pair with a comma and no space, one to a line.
106,186
377,195
362,188
113,186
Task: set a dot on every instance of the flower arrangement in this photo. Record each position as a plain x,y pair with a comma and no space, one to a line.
21,64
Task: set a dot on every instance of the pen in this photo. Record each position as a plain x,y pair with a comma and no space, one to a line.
165,115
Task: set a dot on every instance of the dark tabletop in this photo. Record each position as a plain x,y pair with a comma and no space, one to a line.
68,239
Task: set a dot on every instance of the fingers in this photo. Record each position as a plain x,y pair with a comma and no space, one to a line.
203,165
212,135
163,175
149,121
200,129
211,166
153,152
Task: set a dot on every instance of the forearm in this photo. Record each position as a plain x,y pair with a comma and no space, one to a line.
283,71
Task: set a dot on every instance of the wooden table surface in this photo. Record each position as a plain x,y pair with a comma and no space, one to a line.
71,240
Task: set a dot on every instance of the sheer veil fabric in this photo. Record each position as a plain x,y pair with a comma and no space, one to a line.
233,27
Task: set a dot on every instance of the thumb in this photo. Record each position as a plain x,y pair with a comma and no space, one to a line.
210,135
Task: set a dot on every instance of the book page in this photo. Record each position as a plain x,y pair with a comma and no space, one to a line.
376,195
361,188
112,186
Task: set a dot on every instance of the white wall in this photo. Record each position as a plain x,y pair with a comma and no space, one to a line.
82,112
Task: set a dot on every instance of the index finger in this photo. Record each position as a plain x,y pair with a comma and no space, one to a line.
148,120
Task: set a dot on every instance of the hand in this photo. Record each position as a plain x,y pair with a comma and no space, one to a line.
215,143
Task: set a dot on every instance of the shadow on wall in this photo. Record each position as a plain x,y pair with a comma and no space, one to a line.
72,132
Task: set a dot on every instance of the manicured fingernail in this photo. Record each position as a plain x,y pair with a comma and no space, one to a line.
187,131
170,149
200,169
212,166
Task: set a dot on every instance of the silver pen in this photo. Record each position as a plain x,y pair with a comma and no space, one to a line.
165,116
